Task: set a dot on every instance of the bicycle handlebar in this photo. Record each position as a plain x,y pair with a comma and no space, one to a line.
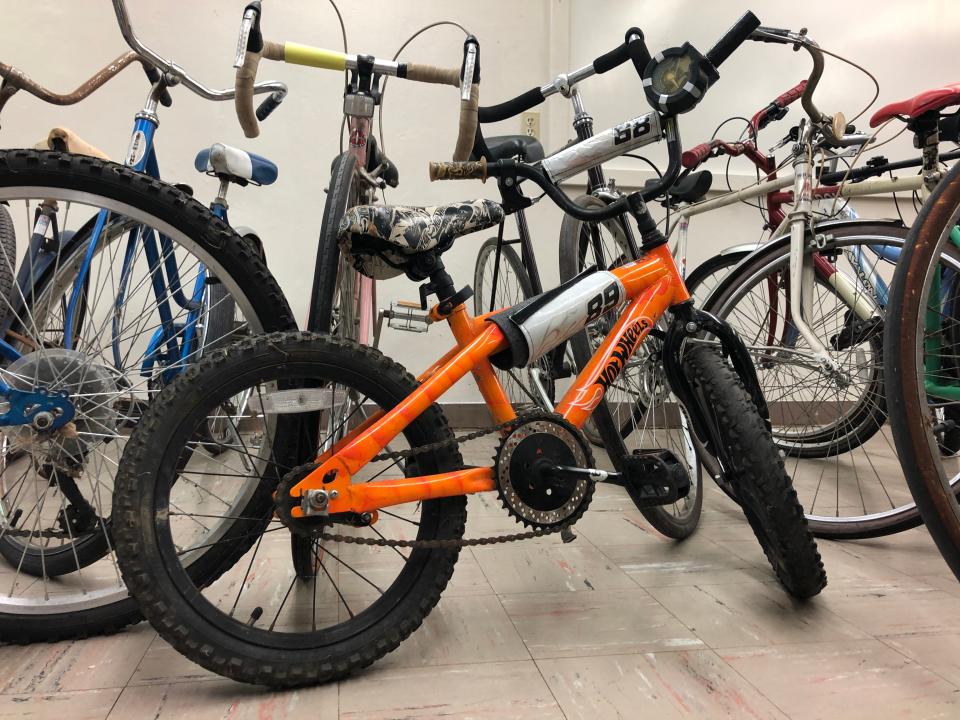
252,47
633,202
15,79
831,126
698,154
692,158
791,95
176,73
733,38
633,48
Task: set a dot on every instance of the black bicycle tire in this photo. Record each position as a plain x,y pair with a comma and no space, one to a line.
754,466
220,318
8,260
55,170
328,249
709,267
481,304
854,529
234,649
869,419
510,256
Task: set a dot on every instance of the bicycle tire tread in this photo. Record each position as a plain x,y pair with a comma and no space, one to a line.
161,609
757,472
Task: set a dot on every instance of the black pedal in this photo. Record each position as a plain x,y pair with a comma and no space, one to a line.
654,477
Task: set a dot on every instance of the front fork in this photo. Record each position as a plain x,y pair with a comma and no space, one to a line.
802,273
688,322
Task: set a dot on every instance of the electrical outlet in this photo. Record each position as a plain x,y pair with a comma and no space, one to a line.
530,124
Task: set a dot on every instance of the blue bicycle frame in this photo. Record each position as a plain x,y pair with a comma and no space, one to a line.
172,343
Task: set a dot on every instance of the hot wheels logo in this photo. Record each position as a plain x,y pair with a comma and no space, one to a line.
624,348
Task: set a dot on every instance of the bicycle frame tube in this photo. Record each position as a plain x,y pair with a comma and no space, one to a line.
359,129
140,155
651,284
933,342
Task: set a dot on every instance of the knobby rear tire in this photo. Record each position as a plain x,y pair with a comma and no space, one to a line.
193,627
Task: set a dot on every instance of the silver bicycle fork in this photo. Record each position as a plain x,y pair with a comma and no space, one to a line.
802,272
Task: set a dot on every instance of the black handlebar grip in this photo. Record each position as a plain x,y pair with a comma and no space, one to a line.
153,75
269,105
609,60
495,113
734,38
637,50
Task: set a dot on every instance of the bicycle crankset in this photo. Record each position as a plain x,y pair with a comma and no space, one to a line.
543,472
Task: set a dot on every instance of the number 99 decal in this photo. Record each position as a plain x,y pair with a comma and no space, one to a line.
603,302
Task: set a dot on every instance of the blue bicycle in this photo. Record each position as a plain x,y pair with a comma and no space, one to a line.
122,282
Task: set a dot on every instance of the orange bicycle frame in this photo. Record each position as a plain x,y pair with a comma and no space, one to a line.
652,285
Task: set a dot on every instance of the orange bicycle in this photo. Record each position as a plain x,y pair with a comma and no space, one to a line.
372,554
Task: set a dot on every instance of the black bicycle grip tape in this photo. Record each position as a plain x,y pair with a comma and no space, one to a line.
734,38
495,113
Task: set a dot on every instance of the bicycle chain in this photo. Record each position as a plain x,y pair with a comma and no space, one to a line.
388,542
448,543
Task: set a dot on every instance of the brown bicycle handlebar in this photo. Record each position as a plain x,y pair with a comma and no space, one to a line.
15,79
243,85
254,48
247,75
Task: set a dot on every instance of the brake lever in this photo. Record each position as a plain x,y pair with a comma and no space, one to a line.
469,64
245,27
790,137
781,36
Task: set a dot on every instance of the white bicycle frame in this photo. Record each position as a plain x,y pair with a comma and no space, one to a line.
851,290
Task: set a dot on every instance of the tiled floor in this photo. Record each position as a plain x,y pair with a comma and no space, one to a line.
622,623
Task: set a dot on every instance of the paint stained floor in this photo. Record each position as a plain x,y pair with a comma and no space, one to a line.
621,623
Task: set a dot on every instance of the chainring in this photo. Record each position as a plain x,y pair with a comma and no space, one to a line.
528,490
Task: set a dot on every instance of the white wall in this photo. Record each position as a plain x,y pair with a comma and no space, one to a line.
523,45
907,46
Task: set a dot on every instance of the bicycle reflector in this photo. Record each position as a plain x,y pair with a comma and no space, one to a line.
676,79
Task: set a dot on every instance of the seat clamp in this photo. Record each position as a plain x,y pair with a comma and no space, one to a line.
446,307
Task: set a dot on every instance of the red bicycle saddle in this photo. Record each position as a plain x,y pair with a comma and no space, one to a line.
928,100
